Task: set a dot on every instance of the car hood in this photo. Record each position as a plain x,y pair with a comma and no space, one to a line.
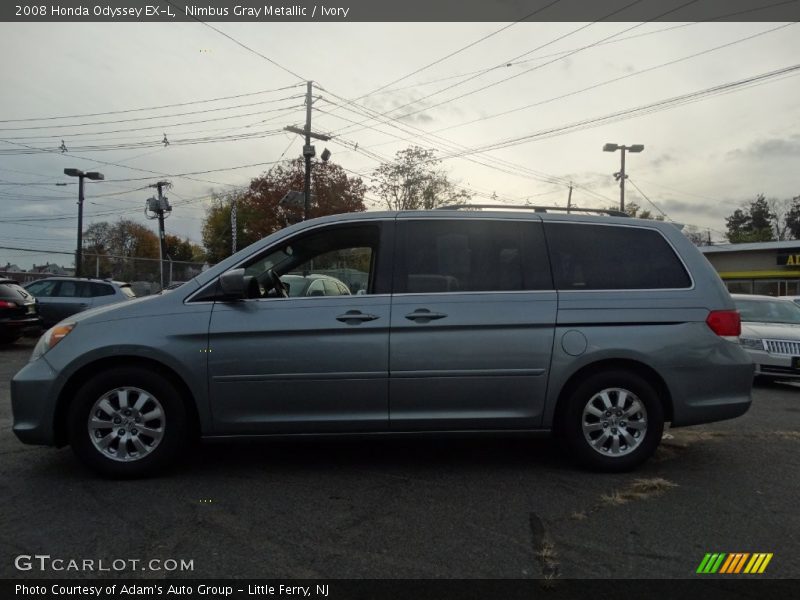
776,331
136,307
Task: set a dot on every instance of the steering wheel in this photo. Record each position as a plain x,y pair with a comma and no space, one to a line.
274,282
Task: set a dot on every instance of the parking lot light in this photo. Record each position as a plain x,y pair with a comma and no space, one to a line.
81,176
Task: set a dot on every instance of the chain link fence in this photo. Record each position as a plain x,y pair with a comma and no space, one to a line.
144,274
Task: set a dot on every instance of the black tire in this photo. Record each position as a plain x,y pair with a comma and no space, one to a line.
172,410
572,421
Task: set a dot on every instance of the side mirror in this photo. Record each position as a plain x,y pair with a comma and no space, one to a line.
232,284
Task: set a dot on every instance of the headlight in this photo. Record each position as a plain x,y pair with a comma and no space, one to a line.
50,338
752,343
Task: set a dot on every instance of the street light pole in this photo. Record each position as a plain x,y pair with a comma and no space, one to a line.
81,176
621,176
79,252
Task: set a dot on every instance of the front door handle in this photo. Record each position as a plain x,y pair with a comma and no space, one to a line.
423,315
354,317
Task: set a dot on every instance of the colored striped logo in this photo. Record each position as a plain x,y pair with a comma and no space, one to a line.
734,563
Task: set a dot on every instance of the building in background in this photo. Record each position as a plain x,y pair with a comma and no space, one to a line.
768,268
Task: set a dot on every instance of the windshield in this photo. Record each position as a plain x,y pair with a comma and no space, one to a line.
769,311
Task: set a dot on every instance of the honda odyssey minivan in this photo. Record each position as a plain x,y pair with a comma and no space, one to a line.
599,329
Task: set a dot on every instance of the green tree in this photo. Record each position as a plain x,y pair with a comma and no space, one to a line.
413,181
756,222
110,250
793,218
258,212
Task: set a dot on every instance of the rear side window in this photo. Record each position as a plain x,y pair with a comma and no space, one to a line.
603,257
69,289
101,289
471,255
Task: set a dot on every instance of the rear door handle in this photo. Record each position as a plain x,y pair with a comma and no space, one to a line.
354,317
423,315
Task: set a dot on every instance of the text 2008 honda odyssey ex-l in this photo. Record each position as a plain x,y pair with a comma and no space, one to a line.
598,328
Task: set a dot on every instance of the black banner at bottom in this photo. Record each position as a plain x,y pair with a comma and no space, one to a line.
702,588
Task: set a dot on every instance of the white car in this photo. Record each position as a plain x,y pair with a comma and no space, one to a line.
770,334
795,299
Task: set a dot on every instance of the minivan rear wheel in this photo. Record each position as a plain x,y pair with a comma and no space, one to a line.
613,421
127,422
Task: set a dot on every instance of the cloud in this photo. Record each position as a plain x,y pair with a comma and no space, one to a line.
788,147
661,160
695,207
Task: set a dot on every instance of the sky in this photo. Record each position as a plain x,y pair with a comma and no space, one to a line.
520,114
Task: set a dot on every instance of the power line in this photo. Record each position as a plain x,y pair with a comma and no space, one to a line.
653,204
165,126
150,144
499,164
639,110
458,51
615,79
150,117
512,63
485,87
182,175
238,43
130,110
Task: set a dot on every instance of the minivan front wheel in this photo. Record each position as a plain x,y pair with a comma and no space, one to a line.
127,422
614,421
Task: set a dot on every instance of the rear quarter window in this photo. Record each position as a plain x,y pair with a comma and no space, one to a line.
101,289
609,257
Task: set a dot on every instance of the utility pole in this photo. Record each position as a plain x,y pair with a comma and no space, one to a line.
233,225
569,197
308,150
161,209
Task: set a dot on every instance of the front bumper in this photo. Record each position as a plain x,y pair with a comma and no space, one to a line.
33,403
774,365
21,325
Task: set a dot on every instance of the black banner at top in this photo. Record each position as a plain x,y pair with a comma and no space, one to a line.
356,11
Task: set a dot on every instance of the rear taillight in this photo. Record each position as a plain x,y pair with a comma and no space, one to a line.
725,323
6,304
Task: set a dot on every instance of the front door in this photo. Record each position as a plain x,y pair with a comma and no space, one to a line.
307,363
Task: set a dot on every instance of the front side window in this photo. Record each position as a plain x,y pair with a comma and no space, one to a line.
42,289
607,257
472,255
345,256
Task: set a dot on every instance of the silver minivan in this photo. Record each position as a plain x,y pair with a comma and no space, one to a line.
598,328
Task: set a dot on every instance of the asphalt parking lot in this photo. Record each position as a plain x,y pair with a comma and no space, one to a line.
467,508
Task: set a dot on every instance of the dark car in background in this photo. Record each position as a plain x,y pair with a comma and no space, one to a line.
60,297
19,311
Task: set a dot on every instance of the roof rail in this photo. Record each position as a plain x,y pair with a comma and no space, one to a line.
602,211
